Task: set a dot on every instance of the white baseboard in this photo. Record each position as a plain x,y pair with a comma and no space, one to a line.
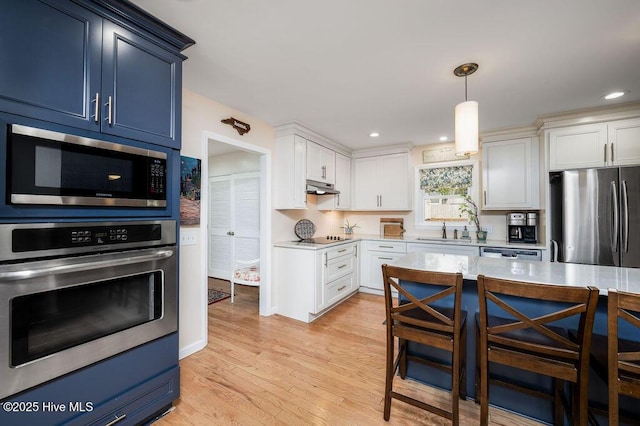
192,348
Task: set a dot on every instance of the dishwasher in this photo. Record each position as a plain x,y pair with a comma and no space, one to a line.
509,253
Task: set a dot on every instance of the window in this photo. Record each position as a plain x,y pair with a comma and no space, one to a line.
440,189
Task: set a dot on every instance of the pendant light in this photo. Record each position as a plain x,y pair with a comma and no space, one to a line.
466,116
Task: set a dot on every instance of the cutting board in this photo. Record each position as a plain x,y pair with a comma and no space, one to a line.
392,227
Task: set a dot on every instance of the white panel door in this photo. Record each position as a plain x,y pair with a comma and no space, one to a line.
234,221
220,224
246,217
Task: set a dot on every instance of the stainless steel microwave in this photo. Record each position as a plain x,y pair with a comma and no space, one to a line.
50,168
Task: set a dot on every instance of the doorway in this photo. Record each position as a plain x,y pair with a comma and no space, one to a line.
216,144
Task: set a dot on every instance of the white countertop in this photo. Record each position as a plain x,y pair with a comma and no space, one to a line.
602,277
411,239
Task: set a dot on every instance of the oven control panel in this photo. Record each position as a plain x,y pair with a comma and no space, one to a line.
92,235
51,239
110,236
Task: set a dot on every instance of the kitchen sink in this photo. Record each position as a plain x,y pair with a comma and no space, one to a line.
442,240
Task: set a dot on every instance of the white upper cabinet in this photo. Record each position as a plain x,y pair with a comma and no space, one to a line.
341,201
381,182
291,172
578,147
321,163
624,141
616,143
302,155
510,174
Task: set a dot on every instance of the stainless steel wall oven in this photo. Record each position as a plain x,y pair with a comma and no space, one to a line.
72,294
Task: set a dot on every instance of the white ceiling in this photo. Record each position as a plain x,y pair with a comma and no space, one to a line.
345,68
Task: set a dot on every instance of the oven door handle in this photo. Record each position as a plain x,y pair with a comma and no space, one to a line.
83,266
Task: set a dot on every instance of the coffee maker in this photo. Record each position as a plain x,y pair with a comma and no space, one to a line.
522,227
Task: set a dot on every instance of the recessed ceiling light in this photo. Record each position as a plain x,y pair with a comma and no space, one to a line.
374,134
443,138
615,95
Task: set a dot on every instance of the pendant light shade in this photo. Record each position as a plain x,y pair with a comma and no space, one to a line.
466,128
466,117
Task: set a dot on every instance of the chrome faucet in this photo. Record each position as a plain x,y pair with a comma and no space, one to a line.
444,230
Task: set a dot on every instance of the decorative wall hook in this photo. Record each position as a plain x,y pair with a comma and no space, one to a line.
240,126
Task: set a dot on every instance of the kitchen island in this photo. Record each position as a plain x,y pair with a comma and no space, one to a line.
561,274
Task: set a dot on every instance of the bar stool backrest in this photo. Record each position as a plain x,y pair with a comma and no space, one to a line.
567,302
624,355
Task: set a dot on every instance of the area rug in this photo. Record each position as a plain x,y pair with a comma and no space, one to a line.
217,295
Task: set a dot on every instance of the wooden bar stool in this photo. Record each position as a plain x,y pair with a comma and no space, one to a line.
617,360
427,321
511,338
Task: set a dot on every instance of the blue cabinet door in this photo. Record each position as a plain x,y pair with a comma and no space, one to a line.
50,67
141,88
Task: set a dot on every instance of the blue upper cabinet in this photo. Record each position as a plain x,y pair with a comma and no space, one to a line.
100,65
141,88
52,60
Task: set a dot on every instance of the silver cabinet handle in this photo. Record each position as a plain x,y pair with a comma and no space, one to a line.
342,288
116,420
80,266
485,197
338,200
342,266
612,159
109,106
342,251
605,154
326,259
616,224
625,210
96,106
385,258
385,247
324,172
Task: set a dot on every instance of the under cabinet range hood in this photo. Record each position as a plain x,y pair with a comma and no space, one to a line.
320,188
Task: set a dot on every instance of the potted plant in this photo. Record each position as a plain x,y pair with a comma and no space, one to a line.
348,228
470,208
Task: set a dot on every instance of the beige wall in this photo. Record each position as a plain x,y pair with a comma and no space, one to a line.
234,162
199,115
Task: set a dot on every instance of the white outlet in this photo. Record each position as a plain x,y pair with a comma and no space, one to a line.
188,237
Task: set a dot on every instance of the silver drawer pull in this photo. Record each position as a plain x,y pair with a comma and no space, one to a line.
342,266
342,251
342,288
385,246
116,420
385,258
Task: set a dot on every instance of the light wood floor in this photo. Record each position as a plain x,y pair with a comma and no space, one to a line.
278,371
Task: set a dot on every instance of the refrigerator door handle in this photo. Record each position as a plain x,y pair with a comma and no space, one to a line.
625,210
616,224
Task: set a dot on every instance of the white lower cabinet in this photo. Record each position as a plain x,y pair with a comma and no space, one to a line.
376,254
309,282
447,248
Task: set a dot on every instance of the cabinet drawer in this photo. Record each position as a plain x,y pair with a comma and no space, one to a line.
341,250
339,267
390,246
339,289
137,404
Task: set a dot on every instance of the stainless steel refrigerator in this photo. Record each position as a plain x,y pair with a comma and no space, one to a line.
595,216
